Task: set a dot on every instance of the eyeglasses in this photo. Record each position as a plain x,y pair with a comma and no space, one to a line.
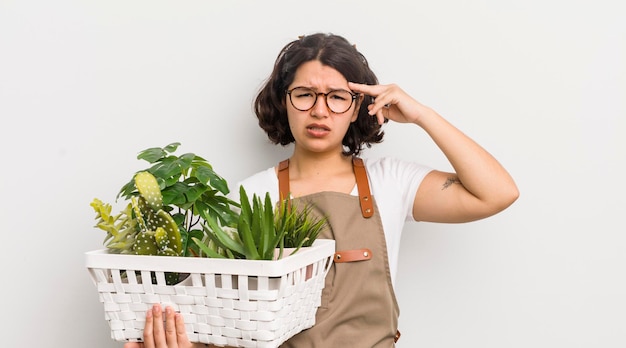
304,99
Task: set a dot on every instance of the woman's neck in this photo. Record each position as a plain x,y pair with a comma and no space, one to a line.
307,165
312,173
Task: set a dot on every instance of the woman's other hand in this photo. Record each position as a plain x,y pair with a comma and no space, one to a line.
158,335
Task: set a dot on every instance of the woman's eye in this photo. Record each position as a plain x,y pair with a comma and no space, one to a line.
338,96
304,94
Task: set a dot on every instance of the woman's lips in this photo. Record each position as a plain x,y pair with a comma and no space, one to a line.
317,130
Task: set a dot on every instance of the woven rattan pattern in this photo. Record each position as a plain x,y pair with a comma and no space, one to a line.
221,309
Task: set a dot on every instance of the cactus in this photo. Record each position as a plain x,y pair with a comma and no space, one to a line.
148,188
143,228
159,232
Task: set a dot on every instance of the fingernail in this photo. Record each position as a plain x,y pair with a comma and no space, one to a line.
149,313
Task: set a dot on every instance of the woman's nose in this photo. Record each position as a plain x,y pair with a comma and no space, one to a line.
320,108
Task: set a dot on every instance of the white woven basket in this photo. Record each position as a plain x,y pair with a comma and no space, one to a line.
238,303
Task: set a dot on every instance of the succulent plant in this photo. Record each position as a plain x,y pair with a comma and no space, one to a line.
301,227
261,229
149,230
159,233
146,229
121,228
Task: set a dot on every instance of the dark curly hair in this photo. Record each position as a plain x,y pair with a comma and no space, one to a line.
330,50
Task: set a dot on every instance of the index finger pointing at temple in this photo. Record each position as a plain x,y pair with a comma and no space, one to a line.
366,89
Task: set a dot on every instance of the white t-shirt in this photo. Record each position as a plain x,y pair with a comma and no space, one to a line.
393,184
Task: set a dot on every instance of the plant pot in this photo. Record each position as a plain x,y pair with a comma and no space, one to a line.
224,302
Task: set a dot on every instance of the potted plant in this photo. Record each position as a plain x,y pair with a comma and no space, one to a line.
179,221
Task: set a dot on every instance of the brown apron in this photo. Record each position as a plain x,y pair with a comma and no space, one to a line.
359,307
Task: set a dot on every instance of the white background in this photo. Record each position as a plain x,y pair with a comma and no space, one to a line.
86,85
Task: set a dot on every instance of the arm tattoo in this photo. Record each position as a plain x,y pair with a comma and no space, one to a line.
449,182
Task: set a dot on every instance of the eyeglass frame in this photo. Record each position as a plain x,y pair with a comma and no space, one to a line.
353,98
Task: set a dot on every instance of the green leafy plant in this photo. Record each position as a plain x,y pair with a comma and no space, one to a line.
261,229
170,201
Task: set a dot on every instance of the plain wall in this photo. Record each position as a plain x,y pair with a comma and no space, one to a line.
86,85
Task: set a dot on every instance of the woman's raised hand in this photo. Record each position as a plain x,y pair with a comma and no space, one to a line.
391,102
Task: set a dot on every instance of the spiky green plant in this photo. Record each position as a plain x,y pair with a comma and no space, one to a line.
261,229
300,226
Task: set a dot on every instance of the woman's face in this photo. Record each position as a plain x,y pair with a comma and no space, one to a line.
319,129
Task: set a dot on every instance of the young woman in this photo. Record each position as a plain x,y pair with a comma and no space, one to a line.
323,98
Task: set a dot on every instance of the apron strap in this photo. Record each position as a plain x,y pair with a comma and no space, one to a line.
362,184
283,180
353,255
